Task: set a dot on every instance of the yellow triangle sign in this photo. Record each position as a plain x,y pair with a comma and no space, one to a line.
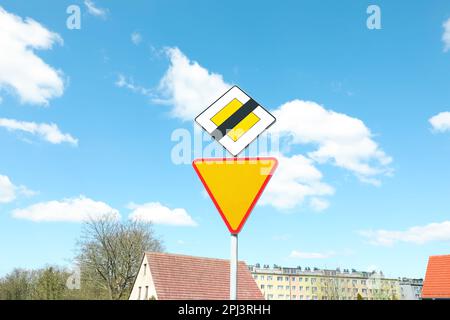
235,185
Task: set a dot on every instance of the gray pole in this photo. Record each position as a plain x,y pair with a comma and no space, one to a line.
233,267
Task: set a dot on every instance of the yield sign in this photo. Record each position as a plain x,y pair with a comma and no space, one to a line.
235,185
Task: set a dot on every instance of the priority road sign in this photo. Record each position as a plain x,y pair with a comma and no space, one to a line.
235,120
235,185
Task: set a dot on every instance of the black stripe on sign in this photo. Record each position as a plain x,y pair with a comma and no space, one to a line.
234,119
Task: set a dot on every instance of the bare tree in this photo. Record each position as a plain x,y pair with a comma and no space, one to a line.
110,254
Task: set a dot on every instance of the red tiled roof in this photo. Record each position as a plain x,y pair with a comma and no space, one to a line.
437,278
178,277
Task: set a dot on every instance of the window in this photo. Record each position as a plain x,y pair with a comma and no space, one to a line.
363,282
354,282
279,278
286,278
280,287
146,292
294,297
300,279
300,288
307,288
270,296
145,269
293,279
270,287
314,289
262,277
139,293
314,297
313,280
294,287
262,287
306,279
269,278
300,297
287,287
255,277
281,296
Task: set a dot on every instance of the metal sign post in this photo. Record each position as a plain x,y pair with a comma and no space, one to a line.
234,267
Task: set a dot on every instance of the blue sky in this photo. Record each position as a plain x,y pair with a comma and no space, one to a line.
363,180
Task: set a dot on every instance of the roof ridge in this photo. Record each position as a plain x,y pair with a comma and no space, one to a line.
440,255
188,256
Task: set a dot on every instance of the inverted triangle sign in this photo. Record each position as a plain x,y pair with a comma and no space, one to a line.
235,185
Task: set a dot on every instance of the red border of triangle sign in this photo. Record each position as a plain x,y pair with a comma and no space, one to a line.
235,184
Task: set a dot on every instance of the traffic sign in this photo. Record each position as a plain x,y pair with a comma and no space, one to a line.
235,120
235,185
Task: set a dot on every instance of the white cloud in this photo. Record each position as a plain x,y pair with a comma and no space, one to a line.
338,139
49,132
341,139
156,213
344,141
319,204
310,255
77,209
136,38
446,35
9,191
441,122
295,179
188,87
417,235
21,71
94,10
128,83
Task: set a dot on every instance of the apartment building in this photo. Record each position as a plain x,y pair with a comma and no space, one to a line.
280,283
411,289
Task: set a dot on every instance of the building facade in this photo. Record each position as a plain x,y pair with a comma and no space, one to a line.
280,283
411,289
